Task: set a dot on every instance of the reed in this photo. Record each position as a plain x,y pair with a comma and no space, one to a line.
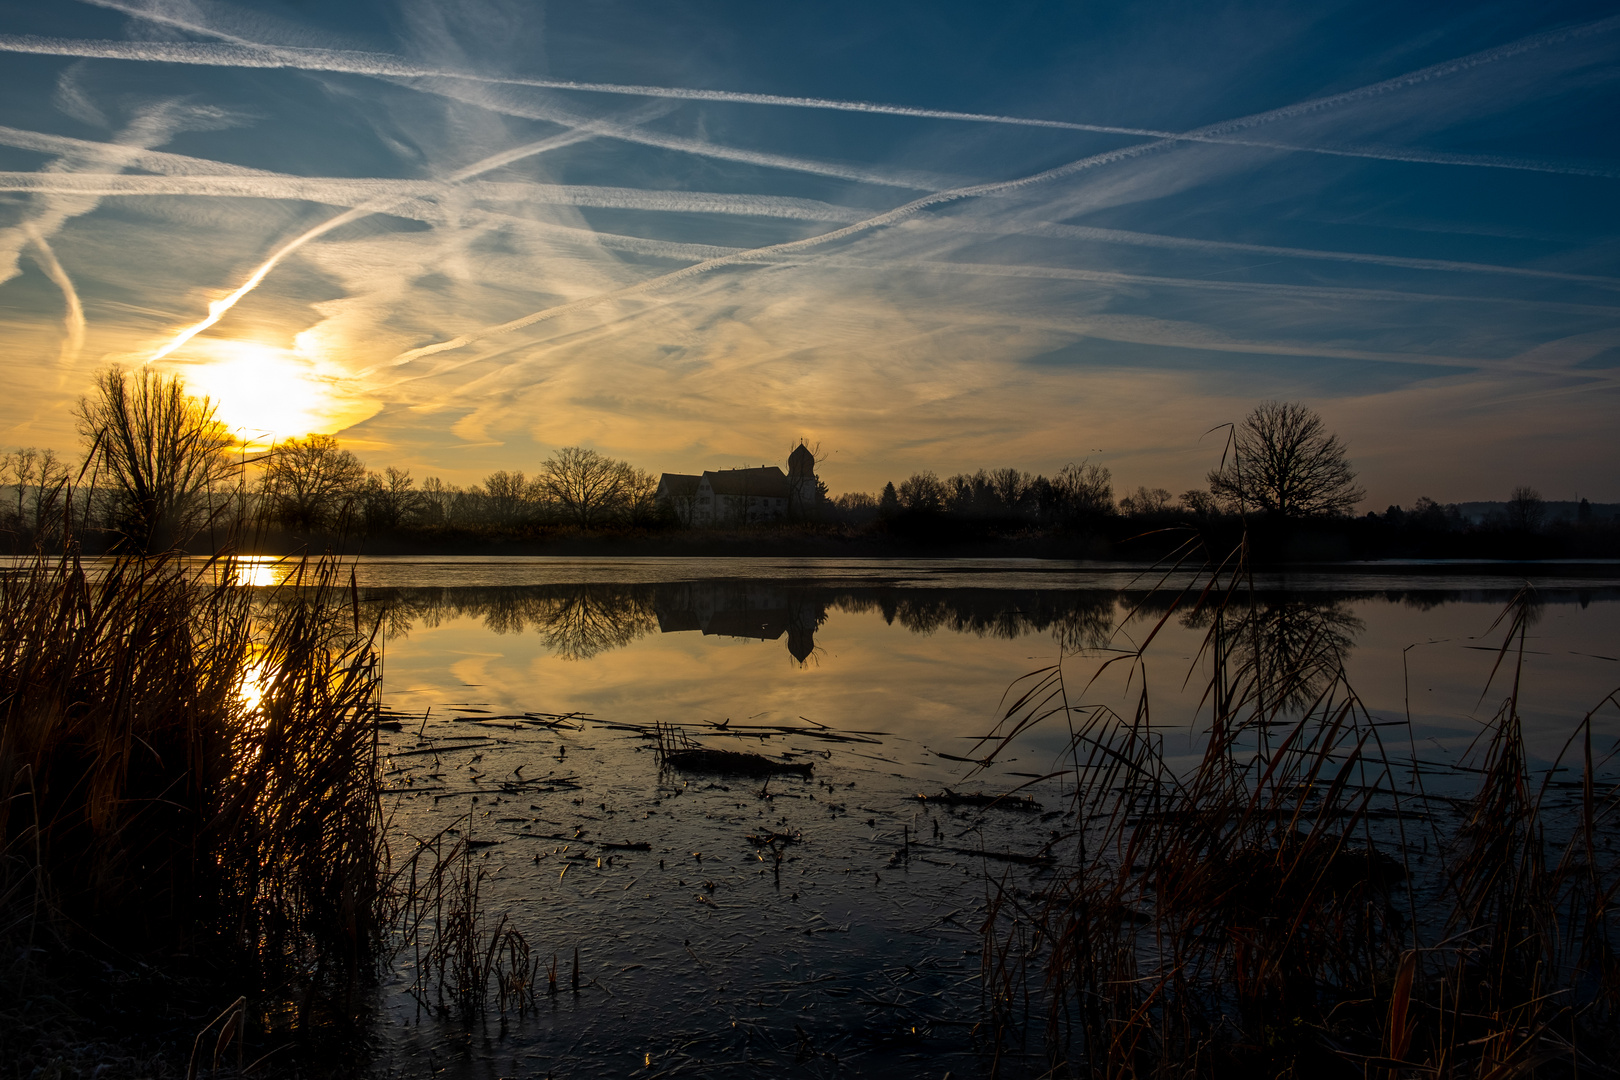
457,950
186,771
1263,912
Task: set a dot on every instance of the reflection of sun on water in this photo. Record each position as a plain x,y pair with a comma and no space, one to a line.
250,690
263,393
261,570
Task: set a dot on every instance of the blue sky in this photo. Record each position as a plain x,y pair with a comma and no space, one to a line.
1067,231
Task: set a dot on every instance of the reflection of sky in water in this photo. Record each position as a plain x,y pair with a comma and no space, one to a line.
932,664
860,956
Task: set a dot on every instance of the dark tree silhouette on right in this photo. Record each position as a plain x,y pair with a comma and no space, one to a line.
1283,461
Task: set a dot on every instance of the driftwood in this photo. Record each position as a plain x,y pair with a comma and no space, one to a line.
999,802
677,750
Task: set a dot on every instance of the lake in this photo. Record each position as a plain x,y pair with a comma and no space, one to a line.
829,922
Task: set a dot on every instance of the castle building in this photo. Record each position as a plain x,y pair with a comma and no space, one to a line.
743,496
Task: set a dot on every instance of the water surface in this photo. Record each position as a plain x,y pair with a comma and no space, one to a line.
858,952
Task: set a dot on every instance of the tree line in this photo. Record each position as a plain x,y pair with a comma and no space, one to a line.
159,469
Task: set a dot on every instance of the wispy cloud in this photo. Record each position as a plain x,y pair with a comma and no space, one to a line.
239,52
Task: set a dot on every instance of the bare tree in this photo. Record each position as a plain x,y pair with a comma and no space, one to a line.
161,454
588,487
41,479
1525,509
510,498
309,483
1146,501
923,493
390,499
1283,461
640,495
1010,486
1083,491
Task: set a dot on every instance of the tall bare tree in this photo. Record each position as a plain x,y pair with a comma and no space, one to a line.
1284,461
588,487
390,499
310,483
510,498
1526,510
1083,491
159,454
924,492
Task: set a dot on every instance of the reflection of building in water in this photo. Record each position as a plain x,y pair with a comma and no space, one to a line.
741,496
761,611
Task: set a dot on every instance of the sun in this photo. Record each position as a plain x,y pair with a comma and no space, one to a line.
264,393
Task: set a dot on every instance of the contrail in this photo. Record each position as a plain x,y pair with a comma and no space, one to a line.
1182,243
140,157
915,206
73,313
218,308
239,52
353,192
348,191
1269,288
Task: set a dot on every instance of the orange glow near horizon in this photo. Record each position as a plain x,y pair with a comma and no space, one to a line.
264,393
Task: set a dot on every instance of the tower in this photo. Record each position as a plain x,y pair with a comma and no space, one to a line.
802,482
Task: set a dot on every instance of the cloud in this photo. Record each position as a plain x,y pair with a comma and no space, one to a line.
240,52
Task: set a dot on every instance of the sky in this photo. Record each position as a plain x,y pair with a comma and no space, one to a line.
461,235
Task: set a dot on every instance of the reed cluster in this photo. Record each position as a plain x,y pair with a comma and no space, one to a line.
1299,902
457,952
188,770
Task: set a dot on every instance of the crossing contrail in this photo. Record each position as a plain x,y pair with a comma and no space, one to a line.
73,311
218,308
241,53
938,198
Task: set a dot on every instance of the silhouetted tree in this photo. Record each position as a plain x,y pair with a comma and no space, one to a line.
1198,501
311,483
159,455
888,502
1283,461
390,499
589,488
1082,491
1146,501
41,480
1525,510
510,498
923,493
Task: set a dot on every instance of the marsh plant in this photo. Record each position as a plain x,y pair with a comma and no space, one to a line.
1304,899
181,777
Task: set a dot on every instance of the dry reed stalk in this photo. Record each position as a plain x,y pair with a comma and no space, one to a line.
457,950
188,768
1257,913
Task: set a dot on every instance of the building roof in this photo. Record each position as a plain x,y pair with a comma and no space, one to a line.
678,484
802,463
766,482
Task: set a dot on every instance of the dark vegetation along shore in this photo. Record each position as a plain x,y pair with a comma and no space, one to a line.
198,874
1283,487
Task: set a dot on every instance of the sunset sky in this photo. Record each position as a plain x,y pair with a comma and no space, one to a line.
460,235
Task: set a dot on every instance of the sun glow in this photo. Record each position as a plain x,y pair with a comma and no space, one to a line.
264,393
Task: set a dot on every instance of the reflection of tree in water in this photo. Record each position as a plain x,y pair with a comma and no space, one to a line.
1076,619
577,622
582,621
1283,652
595,620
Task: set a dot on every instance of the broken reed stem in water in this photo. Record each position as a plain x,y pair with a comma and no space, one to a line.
1263,912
